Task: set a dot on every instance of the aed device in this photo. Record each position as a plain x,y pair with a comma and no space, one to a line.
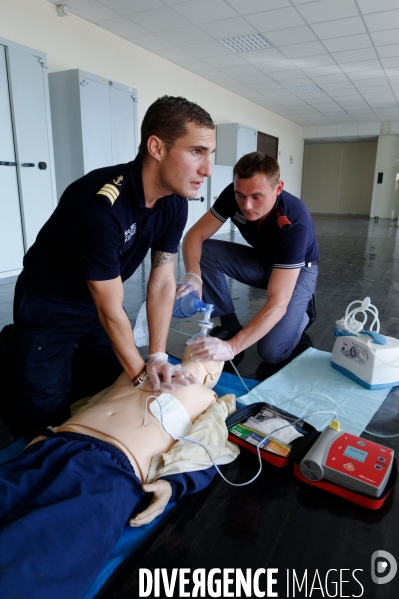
349,461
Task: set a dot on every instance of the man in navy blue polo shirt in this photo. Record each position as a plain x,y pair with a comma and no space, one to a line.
282,258
70,291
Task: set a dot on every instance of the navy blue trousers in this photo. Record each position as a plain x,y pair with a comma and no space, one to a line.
244,264
47,331
64,503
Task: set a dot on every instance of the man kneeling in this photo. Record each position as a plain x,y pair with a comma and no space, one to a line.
68,496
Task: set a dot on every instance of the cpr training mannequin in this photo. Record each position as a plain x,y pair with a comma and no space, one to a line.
67,497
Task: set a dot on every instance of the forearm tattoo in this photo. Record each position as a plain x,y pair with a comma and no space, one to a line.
160,258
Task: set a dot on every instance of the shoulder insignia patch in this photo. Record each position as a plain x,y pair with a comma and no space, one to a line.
282,220
112,189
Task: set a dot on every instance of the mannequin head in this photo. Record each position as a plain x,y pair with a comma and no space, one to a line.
208,373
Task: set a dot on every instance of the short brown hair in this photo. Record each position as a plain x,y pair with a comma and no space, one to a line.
167,117
257,162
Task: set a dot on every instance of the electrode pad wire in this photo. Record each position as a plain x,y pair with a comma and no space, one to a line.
258,446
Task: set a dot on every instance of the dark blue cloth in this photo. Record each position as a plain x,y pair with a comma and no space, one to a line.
242,263
286,239
47,329
101,229
65,502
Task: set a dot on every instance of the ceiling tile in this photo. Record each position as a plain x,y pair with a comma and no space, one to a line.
194,65
123,27
283,75
174,55
364,65
252,80
275,65
205,11
382,21
90,10
323,70
355,55
339,28
351,42
344,93
239,70
388,51
375,89
355,76
371,82
251,6
159,19
383,38
293,35
207,49
275,19
151,42
297,82
368,6
229,60
322,79
327,10
339,86
307,49
393,61
228,28
265,55
266,85
211,74
185,36
127,7
314,61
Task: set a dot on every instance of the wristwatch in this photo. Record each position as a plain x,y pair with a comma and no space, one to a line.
140,377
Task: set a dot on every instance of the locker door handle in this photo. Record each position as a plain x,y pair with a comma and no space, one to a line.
3,163
201,199
28,164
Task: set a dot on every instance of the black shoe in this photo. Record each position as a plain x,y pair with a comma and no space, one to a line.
311,311
224,334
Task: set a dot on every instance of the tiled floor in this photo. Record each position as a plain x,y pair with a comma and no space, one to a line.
359,257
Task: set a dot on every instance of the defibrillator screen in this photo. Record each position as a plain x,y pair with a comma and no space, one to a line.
355,454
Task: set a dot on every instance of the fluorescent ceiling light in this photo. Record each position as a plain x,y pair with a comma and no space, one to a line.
305,89
335,113
244,43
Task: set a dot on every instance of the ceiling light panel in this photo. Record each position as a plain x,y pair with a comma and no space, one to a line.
246,43
305,89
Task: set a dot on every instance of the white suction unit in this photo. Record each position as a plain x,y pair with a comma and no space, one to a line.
366,356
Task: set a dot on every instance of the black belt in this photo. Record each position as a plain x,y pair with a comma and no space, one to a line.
313,263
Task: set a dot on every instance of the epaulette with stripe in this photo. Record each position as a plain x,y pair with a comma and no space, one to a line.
282,220
113,188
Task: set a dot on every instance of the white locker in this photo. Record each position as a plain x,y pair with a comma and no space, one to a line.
94,124
197,206
26,152
233,141
221,177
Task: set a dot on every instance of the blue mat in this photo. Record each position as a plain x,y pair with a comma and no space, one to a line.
132,538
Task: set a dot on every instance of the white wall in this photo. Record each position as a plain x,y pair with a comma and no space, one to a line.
71,43
385,203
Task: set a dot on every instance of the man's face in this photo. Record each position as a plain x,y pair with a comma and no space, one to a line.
185,165
256,197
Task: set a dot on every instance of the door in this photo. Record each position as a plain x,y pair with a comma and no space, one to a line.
267,144
11,240
29,104
96,124
246,141
123,125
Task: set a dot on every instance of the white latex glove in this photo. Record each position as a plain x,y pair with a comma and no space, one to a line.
165,376
210,348
162,492
190,282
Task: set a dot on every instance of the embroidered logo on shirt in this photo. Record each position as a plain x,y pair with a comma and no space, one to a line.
240,218
282,220
118,180
130,232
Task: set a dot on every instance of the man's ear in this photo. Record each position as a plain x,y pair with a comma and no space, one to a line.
155,147
279,187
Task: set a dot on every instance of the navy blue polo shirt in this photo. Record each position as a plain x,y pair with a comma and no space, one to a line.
102,229
287,237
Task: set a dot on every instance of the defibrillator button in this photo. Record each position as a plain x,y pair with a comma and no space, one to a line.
381,459
349,466
377,466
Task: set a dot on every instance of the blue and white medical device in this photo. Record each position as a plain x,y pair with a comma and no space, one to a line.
364,355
